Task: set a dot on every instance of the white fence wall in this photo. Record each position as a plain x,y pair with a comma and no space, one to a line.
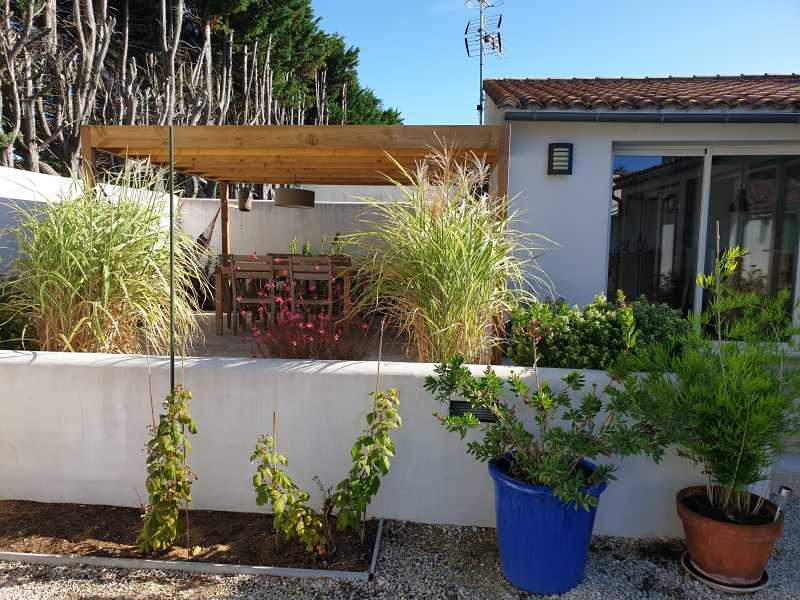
73,429
269,228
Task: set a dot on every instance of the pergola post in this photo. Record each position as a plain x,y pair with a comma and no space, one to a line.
224,223
500,179
89,156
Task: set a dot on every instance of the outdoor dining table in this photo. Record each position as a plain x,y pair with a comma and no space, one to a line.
222,276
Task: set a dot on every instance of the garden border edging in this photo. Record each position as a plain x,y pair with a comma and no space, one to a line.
196,567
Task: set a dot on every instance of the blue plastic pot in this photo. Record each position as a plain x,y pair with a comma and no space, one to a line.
543,541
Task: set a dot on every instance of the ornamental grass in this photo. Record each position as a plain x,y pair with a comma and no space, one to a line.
92,269
445,265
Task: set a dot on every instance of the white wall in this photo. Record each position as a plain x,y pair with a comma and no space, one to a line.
574,210
269,228
73,429
26,189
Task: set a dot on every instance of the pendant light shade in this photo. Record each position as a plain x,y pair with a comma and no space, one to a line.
246,200
294,198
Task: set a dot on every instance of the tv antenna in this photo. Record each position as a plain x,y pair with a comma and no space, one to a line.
482,35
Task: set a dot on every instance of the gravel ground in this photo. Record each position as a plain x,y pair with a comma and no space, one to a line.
420,561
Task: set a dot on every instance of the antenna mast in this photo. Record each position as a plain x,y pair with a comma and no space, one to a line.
481,34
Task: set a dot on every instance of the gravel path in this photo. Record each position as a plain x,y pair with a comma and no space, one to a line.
420,561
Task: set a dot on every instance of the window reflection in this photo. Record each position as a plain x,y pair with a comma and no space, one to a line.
654,211
756,200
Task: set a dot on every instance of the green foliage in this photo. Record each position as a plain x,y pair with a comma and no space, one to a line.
549,449
300,50
729,406
345,506
444,265
169,479
92,270
371,454
592,338
293,517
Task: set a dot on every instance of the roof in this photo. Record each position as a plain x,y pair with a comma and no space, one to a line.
754,92
285,154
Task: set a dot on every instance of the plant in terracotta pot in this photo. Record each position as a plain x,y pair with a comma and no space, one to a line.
541,448
728,402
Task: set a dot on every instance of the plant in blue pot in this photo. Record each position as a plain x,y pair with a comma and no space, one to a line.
542,445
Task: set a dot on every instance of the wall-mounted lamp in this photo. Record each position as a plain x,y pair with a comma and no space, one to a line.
559,159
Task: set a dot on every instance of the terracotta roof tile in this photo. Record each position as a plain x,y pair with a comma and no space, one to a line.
770,92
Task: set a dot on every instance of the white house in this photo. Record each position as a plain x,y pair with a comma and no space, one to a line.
645,168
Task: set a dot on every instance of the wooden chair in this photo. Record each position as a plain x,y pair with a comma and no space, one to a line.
303,270
253,285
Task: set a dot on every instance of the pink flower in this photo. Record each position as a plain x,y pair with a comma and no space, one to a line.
316,267
294,343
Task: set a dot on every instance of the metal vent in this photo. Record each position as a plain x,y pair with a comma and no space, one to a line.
460,407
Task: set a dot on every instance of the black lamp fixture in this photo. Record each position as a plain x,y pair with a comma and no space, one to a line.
291,197
559,159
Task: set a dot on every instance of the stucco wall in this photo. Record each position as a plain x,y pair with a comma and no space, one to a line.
574,210
73,428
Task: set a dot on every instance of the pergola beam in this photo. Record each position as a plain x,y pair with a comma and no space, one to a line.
355,154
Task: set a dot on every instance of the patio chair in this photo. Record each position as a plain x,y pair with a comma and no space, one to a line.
253,285
308,271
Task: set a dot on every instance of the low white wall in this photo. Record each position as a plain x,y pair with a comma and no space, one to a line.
73,429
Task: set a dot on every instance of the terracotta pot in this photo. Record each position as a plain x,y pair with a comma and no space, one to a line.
729,553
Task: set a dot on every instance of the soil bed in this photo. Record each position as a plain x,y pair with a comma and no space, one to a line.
223,537
700,504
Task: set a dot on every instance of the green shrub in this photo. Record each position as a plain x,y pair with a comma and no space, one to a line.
728,406
659,323
601,423
592,338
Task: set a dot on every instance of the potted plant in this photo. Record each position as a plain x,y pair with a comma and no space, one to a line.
547,483
729,403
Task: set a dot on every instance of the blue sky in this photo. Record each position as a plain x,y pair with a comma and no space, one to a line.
412,51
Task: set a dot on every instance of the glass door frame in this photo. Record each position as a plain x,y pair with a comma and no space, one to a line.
707,150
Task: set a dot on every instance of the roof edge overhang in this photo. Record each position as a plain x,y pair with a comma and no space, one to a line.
587,116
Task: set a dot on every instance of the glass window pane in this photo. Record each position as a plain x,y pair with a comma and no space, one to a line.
655,205
756,200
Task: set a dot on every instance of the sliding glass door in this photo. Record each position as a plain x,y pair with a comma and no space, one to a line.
656,237
654,214
755,200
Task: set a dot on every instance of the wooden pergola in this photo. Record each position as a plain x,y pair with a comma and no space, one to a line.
305,154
